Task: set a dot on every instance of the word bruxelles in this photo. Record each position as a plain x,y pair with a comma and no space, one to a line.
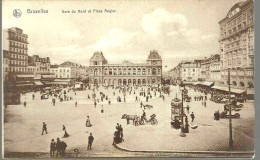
89,11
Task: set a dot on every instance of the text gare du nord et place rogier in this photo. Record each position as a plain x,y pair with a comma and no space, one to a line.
89,11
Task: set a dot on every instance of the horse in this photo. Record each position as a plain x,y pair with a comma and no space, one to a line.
129,117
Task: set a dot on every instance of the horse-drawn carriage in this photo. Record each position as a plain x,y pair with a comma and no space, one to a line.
140,121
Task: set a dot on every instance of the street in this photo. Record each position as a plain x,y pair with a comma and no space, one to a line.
23,125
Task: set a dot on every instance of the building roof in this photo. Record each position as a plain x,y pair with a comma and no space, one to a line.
54,66
71,64
237,5
98,56
154,55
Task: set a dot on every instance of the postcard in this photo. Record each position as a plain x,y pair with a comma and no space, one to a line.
127,78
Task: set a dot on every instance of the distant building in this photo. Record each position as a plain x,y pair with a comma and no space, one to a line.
190,71
16,44
215,69
42,65
54,70
126,73
237,45
5,65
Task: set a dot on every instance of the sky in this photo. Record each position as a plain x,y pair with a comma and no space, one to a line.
178,29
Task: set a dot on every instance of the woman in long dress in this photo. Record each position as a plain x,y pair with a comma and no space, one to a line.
65,132
88,124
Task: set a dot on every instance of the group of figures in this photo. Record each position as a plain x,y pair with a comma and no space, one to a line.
59,147
118,135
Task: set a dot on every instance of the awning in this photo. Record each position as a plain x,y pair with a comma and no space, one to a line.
233,90
25,75
207,83
250,91
62,83
62,80
38,83
25,84
48,76
195,83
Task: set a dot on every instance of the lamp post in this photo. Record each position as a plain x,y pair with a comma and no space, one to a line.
182,88
231,147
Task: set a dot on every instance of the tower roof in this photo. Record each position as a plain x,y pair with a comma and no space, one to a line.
98,56
154,55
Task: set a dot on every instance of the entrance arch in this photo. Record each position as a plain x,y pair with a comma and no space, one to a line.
124,82
139,81
134,81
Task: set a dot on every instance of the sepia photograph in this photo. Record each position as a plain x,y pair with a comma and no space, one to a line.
128,78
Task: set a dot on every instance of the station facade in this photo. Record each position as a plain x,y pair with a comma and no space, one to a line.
126,73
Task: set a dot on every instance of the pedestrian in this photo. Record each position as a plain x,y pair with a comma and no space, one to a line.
102,109
205,103
121,132
65,134
141,104
192,117
24,104
90,141
88,124
109,101
95,103
76,103
58,147
44,128
52,148
33,96
63,146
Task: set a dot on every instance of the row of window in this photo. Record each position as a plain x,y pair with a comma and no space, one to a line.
125,72
17,44
13,36
21,51
18,62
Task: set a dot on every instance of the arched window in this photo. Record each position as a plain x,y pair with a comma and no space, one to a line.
124,71
129,71
234,83
105,71
120,71
143,71
115,71
96,72
134,71
110,71
149,71
139,71
242,84
159,71
250,85
154,71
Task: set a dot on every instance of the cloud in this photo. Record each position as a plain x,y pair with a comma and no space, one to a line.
161,21
74,35
114,38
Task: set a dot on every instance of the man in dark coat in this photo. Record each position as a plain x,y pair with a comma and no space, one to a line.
192,117
58,147
90,141
44,128
63,148
52,148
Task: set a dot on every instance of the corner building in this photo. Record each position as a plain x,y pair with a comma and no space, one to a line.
126,73
237,45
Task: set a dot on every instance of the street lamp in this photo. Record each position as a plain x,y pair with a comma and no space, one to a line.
182,88
231,146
